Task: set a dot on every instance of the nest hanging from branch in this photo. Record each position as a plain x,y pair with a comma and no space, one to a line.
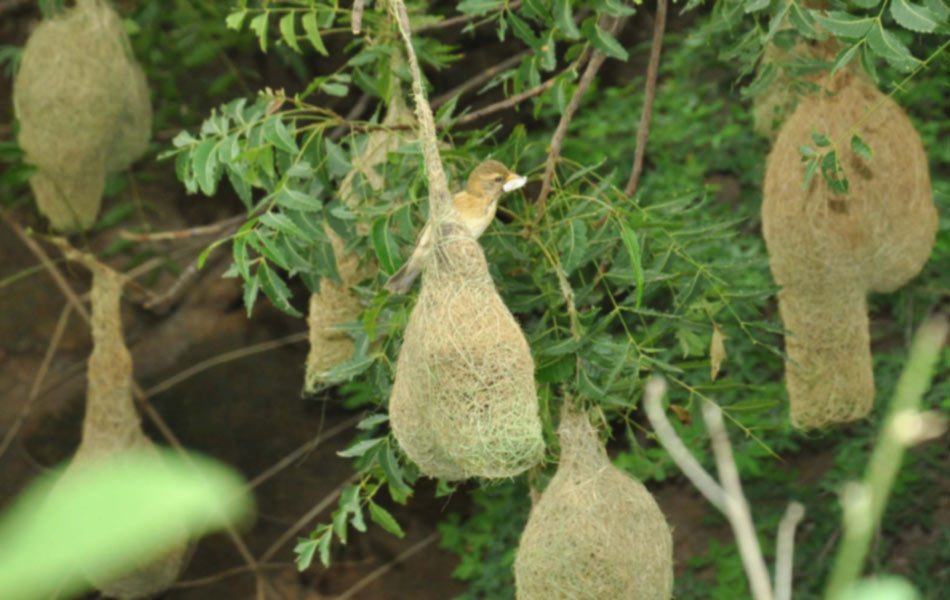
464,402
338,303
596,533
829,250
111,427
84,110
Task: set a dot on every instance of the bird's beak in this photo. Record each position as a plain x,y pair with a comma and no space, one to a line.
514,181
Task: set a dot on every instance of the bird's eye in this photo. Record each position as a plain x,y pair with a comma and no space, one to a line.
499,179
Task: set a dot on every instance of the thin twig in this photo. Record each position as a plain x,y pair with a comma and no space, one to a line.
557,140
208,580
354,113
506,103
310,515
785,550
221,359
653,393
480,78
356,16
439,197
737,508
303,449
179,234
382,570
652,68
38,379
451,22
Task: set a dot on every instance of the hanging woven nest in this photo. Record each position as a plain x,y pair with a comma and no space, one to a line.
337,303
84,110
464,402
829,250
596,533
111,427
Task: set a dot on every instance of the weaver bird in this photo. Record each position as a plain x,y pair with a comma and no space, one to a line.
473,209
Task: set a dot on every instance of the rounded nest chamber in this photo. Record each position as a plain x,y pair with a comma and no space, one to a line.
596,533
828,250
464,402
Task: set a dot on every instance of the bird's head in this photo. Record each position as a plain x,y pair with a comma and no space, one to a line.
491,179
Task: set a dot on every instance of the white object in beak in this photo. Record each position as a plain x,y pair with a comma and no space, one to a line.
514,184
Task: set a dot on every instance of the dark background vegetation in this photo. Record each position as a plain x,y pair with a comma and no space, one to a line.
704,263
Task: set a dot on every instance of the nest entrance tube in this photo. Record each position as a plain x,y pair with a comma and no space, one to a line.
464,402
111,427
596,533
829,250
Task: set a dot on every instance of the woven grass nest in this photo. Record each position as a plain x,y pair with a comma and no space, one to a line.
829,250
464,402
596,533
338,303
111,426
84,110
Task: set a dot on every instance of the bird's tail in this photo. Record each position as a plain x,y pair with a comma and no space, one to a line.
402,280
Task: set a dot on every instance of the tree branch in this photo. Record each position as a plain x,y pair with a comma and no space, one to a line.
451,22
557,140
785,550
382,570
480,78
644,128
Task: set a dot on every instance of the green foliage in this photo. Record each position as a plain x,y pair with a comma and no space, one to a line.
110,517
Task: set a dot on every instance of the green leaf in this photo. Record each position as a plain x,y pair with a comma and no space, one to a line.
284,224
573,245
287,31
259,26
630,241
384,246
752,6
309,22
235,19
360,448
861,148
381,517
478,7
821,140
938,8
298,200
252,289
564,19
276,289
110,516
809,172
913,16
390,466
207,171
372,421
603,41
323,545
886,45
844,25
807,152
305,550
614,8
802,21
277,134
844,57
766,75
334,89
346,371
547,53
523,31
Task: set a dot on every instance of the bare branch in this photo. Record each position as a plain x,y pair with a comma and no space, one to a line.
480,78
310,515
557,140
382,570
356,17
737,509
653,393
459,20
652,68
785,550
38,379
